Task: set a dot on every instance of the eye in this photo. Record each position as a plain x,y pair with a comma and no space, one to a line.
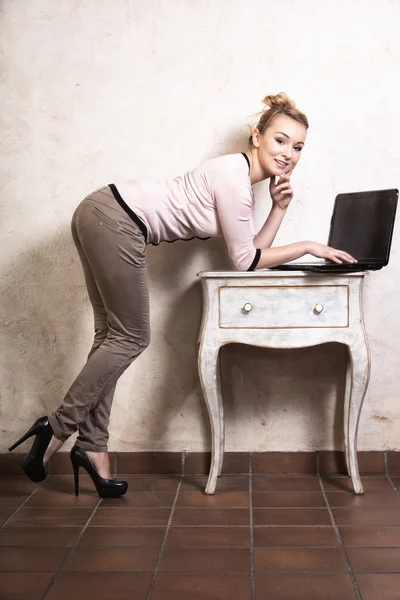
279,140
298,148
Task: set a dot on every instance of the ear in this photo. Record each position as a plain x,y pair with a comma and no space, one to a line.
256,138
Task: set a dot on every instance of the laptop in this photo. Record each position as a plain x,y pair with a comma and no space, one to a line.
362,225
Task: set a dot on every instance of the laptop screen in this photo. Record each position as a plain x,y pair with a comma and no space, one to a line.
362,224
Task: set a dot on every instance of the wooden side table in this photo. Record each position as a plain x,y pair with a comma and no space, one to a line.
278,309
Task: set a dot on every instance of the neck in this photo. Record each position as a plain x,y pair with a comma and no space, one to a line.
256,172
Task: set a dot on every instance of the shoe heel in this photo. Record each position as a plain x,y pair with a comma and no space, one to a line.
76,479
32,431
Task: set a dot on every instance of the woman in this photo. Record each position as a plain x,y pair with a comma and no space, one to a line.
111,228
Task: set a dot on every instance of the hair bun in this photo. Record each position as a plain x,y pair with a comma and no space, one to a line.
280,99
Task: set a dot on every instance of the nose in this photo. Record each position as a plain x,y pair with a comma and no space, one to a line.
287,152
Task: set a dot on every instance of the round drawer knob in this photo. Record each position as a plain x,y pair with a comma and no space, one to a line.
318,308
247,307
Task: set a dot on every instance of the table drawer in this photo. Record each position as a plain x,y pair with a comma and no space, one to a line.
286,307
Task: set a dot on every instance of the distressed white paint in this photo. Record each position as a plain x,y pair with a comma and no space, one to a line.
267,288
97,89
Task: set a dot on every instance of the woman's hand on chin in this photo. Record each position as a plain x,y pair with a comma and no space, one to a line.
281,192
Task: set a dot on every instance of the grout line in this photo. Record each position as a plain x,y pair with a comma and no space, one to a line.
163,543
23,503
392,484
341,544
252,576
183,463
71,550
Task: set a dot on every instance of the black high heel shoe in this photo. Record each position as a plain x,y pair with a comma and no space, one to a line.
106,488
32,464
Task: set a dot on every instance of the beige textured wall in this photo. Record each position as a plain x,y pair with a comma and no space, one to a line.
95,89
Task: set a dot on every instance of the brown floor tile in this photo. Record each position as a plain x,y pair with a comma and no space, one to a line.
334,462
151,483
65,485
283,499
288,516
5,513
370,499
39,559
393,461
128,517
122,536
211,516
217,500
321,560
227,483
371,536
283,462
208,536
16,485
366,516
286,484
149,462
111,559
10,463
214,560
374,560
24,586
379,587
396,482
295,536
60,463
279,586
47,517
340,484
331,461
101,586
12,501
200,462
38,536
200,587
55,499
141,499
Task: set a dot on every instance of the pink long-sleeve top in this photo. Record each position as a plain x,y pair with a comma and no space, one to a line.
213,200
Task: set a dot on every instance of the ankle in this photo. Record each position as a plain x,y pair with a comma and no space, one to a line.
53,447
101,462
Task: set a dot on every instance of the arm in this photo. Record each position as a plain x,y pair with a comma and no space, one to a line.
271,257
268,231
281,194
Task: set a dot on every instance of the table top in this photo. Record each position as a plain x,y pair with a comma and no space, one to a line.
269,273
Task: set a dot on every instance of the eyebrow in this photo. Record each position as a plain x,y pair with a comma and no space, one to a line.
286,136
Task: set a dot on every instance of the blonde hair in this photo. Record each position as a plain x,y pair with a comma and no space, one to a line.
280,104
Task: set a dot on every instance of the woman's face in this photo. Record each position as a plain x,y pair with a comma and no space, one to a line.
280,146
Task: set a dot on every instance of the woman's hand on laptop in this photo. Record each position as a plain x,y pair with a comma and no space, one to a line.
322,251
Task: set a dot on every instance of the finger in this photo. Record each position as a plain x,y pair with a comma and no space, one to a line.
335,259
346,256
288,173
283,185
284,177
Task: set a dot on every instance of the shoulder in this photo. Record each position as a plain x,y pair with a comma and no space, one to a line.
226,164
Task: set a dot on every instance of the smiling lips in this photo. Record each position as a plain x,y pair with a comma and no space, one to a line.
281,164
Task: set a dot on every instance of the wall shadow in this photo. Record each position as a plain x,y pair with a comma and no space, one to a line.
44,310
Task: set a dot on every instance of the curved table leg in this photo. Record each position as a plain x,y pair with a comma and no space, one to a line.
347,396
359,372
209,378
221,418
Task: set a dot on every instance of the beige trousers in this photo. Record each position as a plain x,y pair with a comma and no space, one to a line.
112,249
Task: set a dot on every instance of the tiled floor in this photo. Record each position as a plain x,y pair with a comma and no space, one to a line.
259,538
